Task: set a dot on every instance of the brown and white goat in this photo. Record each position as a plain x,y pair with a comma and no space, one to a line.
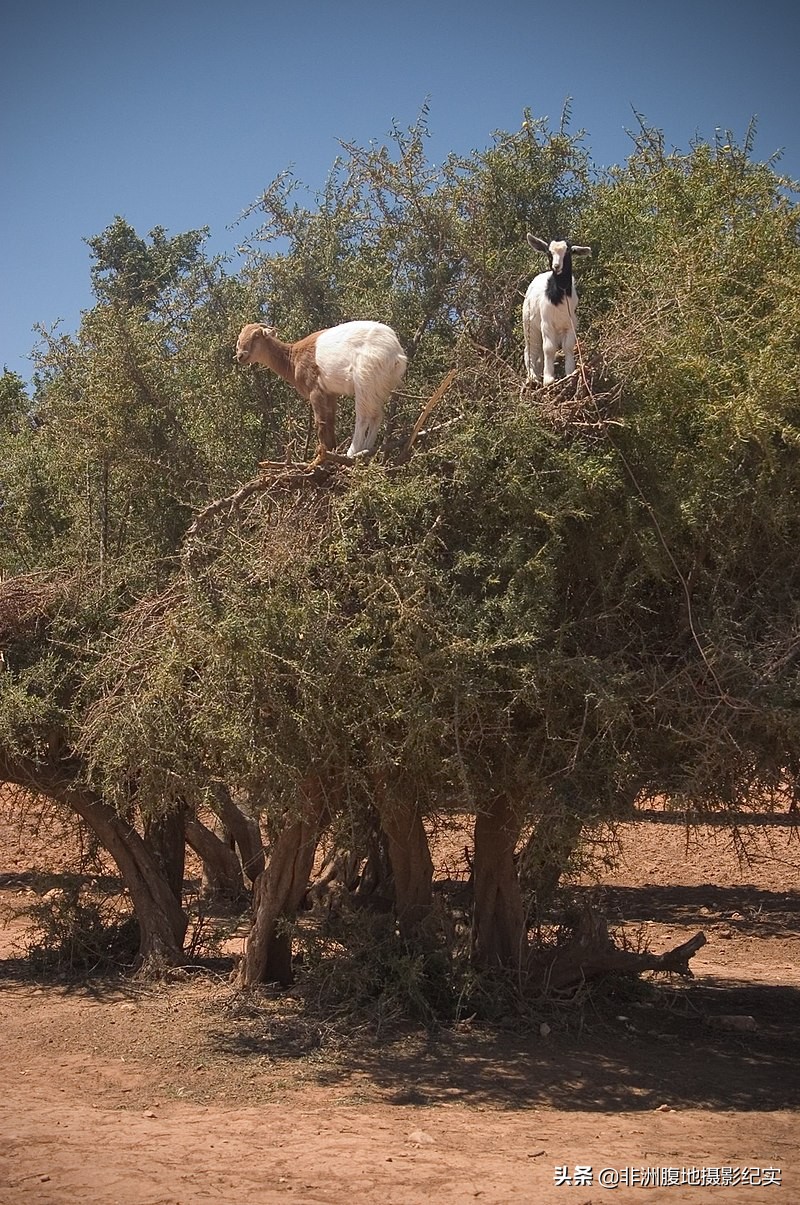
362,360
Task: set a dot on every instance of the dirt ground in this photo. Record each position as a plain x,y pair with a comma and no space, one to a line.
120,1093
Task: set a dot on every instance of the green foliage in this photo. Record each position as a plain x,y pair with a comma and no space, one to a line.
568,613
695,304
29,513
437,251
136,420
126,271
13,404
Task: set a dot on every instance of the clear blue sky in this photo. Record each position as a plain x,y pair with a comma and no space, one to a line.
179,114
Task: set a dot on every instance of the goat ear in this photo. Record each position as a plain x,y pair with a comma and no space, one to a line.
581,250
539,244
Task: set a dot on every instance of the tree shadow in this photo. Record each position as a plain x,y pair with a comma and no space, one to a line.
626,1045
748,910
666,1046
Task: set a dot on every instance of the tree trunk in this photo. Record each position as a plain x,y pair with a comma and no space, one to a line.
547,853
244,830
279,890
499,936
161,919
166,837
375,887
222,872
338,873
412,868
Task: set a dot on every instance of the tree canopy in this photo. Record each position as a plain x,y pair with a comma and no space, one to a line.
560,603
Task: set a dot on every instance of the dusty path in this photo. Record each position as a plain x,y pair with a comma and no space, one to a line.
188,1154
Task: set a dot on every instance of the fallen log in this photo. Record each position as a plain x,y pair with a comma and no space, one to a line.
591,952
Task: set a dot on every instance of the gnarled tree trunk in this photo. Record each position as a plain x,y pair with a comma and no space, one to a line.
499,935
244,830
412,867
222,872
161,919
166,837
375,887
279,890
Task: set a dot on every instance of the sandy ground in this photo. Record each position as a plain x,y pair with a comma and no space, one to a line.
118,1093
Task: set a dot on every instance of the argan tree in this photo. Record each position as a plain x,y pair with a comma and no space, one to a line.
556,603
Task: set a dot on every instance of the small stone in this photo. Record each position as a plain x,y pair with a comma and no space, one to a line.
741,1023
664,1109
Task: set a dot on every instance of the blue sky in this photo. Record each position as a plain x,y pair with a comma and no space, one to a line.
179,114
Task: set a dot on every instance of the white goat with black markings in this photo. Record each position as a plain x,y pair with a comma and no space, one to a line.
549,312
363,360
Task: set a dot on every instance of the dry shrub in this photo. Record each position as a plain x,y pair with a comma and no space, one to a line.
77,930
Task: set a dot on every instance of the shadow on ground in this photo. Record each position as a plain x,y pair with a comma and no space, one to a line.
634,1054
747,909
